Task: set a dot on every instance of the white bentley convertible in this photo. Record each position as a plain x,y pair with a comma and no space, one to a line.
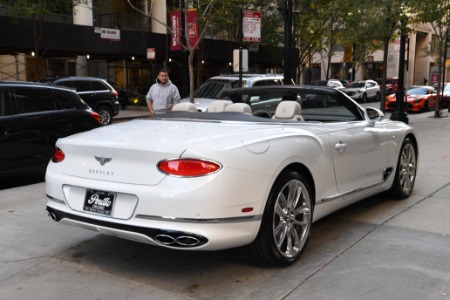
255,173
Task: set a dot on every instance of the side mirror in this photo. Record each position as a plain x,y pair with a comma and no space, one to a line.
374,115
255,99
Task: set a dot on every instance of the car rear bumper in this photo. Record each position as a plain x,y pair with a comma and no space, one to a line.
408,106
116,107
167,233
159,215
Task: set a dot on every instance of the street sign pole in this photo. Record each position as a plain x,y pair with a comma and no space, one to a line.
241,36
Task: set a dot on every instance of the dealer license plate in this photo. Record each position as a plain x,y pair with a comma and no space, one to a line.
99,202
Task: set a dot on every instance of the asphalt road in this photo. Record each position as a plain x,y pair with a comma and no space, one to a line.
379,248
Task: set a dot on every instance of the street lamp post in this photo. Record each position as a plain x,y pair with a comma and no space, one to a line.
399,114
287,42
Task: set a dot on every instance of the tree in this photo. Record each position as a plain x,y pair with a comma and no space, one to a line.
309,31
205,9
324,27
334,13
359,32
35,13
383,22
437,14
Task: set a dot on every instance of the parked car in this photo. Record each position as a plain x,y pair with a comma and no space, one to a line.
331,83
391,84
97,93
32,117
363,90
191,180
446,98
418,98
216,87
345,82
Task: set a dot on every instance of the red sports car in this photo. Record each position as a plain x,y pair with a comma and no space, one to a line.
418,98
446,99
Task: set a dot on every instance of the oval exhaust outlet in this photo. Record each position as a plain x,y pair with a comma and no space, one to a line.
164,239
52,215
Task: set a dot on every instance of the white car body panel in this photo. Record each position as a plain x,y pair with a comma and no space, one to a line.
357,153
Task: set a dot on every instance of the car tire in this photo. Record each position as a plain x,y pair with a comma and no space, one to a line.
364,98
105,115
378,97
286,223
405,174
426,107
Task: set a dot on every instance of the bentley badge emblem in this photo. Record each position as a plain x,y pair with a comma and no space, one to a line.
103,160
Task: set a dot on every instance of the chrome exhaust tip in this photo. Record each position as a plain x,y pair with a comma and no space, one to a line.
179,239
52,215
165,239
188,241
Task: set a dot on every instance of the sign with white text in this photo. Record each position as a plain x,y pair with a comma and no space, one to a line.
251,26
110,34
151,53
177,31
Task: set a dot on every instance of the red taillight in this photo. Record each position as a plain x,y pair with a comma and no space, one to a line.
188,167
96,117
58,156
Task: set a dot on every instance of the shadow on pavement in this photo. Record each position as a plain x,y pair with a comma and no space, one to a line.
13,181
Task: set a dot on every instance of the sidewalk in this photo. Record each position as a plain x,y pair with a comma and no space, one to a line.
132,112
379,248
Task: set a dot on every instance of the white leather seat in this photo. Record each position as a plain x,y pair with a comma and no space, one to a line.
288,110
185,106
217,106
239,107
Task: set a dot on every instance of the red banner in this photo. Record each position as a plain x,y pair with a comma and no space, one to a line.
175,27
192,27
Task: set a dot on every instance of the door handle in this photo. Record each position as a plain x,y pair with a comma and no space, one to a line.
340,146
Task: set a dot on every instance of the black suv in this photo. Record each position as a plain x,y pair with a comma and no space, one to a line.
97,93
32,117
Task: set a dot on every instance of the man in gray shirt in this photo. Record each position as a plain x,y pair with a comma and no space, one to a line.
162,95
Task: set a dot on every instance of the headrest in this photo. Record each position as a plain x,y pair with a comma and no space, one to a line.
287,110
185,106
239,107
217,106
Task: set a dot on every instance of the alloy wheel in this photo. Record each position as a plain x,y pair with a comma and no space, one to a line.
292,218
407,172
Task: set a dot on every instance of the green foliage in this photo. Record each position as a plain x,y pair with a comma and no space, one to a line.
29,9
437,14
35,12
38,9
224,19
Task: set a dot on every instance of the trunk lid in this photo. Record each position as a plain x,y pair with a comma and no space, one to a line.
129,152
